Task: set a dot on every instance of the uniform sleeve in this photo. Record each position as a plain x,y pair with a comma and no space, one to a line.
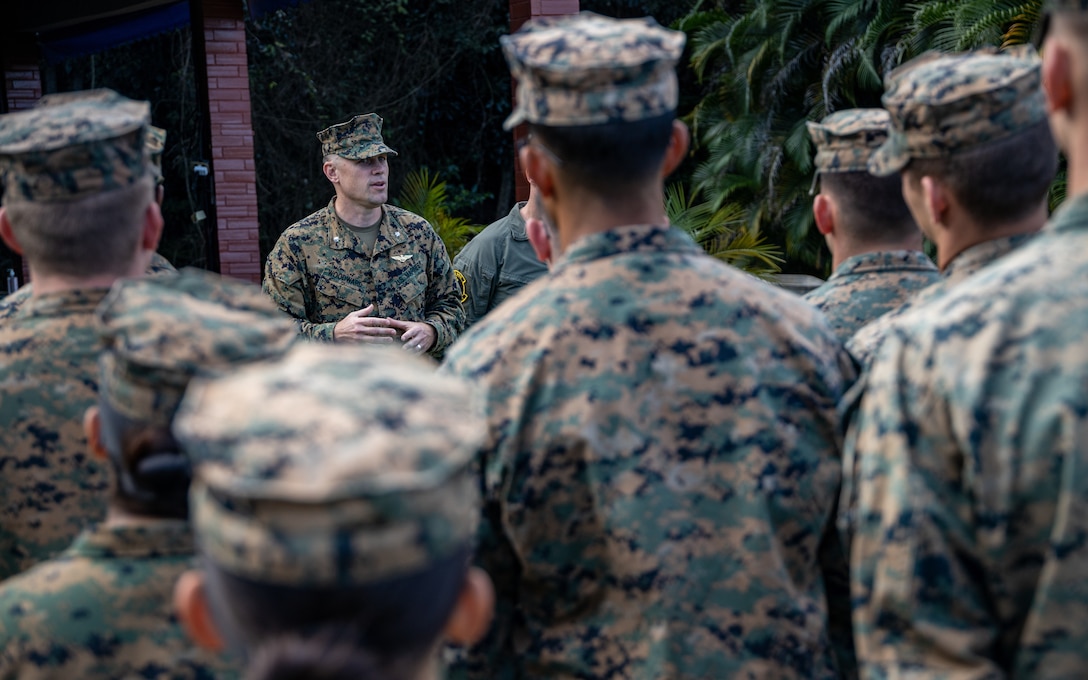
922,606
478,265
285,282
443,309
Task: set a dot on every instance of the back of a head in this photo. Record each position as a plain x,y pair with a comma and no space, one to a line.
600,93
871,209
77,181
977,122
335,507
157,334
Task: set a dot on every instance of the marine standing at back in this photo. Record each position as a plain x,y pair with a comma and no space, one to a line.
79,206
876,248
662,459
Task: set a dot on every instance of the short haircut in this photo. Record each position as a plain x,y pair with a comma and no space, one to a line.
90,236
999,182
611,158
871,209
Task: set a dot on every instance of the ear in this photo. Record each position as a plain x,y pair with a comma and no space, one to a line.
92,428
679,141
538,238
823,210
1057,77
191,605
936,200
475,608
7,234
332,173
152,228
539,170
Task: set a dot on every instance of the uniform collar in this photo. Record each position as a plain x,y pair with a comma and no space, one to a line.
64,303
978,256
1071,216
885,260
517,223
340,237
154,538
642,238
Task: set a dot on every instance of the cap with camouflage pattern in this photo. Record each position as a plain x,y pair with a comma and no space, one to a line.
846,139
336,465
73,145
945,104
358,138
156,143
587,69
159,332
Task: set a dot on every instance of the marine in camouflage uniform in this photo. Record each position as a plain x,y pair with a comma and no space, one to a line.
662,461
322,269
496,264
104,607
156,138
875,244
968,558
82,145
939,119
301,485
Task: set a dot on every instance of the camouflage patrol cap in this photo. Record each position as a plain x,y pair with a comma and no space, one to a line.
359,138
160,331
945,104
73,145
335,465
156,143
846,139
587,69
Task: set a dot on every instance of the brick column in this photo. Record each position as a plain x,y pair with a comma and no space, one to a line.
233,165
23,89
520,12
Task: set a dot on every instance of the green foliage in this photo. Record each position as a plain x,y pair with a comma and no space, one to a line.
721,232
425,195
766,67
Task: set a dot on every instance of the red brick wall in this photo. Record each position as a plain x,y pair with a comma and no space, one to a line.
520,12
233,166
23,87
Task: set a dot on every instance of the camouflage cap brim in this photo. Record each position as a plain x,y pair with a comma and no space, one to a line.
335,465
587,69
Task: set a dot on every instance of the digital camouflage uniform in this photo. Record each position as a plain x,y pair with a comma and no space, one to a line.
104,608
496,263
300,483
319,271
863,344
865,286
662,462
969,556
81,145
